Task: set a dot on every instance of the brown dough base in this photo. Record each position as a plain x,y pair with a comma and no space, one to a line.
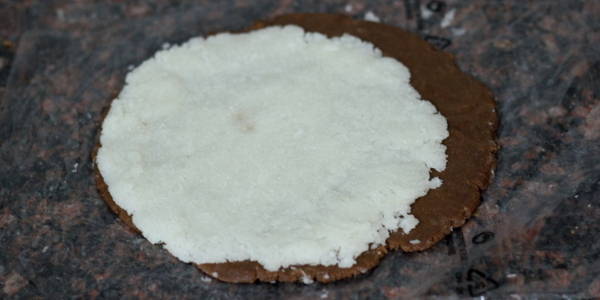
469,108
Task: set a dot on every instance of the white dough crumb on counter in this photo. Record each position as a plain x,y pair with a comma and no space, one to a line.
277,146
306,279
348,8
371,16
425,12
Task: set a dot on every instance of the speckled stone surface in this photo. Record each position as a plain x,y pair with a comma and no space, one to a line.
536,234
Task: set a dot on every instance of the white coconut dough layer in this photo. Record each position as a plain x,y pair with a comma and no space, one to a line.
277,146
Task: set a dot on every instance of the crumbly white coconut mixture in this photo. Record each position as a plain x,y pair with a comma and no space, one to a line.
278,146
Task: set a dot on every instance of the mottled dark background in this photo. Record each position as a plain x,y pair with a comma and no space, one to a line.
535,235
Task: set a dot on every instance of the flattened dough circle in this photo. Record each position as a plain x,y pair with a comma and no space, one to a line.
472,122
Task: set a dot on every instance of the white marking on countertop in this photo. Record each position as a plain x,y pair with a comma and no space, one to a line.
448,18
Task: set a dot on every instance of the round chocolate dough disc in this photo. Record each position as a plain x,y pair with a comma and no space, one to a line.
469,108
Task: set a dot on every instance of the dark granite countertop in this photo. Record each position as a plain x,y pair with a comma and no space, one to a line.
536,234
